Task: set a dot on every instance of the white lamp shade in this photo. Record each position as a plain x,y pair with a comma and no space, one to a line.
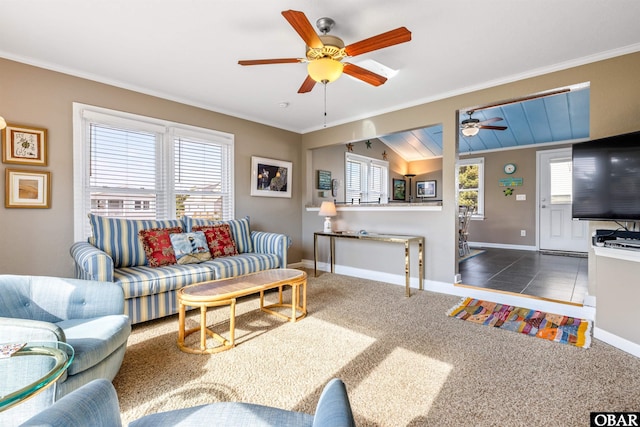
327,209
3,123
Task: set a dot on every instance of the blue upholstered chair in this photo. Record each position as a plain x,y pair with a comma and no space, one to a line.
96,405
88,315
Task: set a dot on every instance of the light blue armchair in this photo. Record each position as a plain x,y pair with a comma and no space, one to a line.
96,405
88,315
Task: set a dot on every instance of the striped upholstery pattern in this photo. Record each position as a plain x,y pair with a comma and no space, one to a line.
143,280
237,265
149,307
240,230
119,237
91,263
271,243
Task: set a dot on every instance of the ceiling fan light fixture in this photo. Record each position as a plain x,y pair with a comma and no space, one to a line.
470,131
325,70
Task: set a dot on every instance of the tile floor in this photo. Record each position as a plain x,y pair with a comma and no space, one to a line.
556,277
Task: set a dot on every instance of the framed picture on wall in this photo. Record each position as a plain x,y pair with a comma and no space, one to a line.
324,180
270,178
27,189
399,189
426,189
24,145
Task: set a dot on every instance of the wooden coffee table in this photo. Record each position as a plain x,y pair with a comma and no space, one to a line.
223,292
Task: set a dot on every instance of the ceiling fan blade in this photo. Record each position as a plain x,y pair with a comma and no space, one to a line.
493,127
307,85
270,61
303,27
364,74
494,119
390,38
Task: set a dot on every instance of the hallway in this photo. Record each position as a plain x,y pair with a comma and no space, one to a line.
555,277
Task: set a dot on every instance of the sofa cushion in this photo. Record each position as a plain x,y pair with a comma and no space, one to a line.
231,266
157,245
240,230
94,339
144,280
119,237
190,248
219,239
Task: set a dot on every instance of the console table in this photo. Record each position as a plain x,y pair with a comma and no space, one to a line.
389,238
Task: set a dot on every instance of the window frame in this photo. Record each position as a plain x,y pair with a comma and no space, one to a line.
479,213
166,132
366,177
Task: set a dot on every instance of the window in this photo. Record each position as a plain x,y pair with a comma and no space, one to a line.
561,185
471,183
130,166
366,179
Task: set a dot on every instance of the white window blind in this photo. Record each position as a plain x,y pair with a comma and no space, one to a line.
366,179
561,181
130,166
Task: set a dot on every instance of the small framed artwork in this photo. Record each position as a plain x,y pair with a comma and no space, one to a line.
426,189
23,145
270,178
399,189
27,189
324,180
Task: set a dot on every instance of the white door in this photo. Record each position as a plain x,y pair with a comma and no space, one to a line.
556,230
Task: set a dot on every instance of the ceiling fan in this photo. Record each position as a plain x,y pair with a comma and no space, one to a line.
325,52
471,126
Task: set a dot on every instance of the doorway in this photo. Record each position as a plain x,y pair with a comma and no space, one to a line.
557,231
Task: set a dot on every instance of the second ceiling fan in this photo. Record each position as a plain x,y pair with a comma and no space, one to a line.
471,126
325,52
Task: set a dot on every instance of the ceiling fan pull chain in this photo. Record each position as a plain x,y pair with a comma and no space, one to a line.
325,103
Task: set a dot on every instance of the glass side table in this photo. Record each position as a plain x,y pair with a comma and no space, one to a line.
31,370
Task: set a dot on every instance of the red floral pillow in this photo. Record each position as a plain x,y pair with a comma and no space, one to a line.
157,245
219,239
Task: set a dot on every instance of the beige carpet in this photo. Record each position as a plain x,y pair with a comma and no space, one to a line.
405,363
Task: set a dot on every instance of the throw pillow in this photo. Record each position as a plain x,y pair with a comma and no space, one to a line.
190,248
157,245
219,239
240,230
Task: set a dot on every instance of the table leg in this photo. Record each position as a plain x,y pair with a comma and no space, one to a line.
203,327
421,261
407,269
295,300
315,255
181,316
232,323
332,253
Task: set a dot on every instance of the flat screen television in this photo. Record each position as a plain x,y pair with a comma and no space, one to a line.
606,178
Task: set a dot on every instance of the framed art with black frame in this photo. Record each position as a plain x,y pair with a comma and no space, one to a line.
399,189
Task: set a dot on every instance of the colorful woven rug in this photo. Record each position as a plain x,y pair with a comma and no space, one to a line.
552,327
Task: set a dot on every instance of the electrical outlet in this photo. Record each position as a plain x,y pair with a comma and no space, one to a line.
523,233
521,197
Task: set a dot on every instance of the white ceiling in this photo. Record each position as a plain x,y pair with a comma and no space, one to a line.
188,50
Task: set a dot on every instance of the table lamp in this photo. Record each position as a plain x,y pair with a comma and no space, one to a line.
327,210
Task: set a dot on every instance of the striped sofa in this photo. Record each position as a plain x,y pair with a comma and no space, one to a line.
114,253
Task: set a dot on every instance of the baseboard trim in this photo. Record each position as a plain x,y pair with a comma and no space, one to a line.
502,246
616,341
